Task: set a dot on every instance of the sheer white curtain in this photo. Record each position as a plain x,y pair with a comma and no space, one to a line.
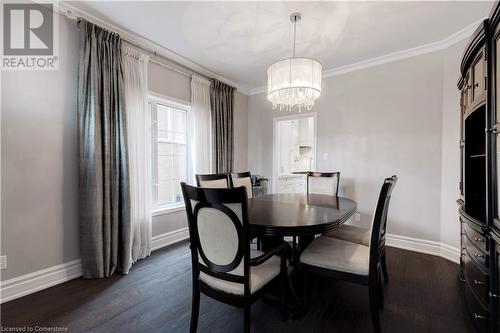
201,135
135,76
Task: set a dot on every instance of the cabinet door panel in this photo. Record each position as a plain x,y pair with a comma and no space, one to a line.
478,78
496,139
479,315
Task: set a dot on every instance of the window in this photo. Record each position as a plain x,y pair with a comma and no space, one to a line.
169,152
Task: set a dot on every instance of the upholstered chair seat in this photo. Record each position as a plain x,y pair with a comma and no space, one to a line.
259,276
353,262
352,233
338,255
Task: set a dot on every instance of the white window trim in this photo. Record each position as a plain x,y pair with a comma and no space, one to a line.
179,104
175,102
168,209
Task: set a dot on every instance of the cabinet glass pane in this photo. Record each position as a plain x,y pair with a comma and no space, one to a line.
478,78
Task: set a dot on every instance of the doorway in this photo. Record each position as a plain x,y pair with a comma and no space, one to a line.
294,150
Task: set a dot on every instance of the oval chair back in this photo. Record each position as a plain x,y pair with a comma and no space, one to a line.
218,225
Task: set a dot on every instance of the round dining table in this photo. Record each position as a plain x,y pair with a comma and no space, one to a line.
302,216
298,214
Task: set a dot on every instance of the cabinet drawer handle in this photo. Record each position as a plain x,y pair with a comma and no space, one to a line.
493,295
480,240
478,282
476,316
479,255
476,84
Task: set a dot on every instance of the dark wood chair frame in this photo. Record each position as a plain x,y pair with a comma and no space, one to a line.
216,198
214,176
323,174
245,174
377,249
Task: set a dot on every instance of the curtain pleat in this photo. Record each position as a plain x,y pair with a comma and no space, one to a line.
222,102
103,156
201,136
135,76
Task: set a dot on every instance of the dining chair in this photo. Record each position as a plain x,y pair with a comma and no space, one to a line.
216,180
323,183
242,179
223,265
361,236
354,262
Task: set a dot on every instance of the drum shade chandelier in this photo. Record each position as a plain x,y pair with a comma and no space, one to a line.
294,81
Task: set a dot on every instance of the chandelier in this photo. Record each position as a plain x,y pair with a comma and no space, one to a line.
294,81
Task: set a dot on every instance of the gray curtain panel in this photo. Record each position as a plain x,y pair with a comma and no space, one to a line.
104,183
222,102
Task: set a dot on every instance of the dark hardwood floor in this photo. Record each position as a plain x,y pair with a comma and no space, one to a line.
155,296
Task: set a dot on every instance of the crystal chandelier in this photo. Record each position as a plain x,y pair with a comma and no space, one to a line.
294,81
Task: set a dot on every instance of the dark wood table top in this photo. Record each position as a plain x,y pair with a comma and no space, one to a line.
290,214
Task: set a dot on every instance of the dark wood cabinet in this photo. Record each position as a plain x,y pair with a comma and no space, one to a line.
480,175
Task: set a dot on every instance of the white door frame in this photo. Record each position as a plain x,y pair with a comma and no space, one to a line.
275,141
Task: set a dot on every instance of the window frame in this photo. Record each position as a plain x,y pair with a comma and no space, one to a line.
153,100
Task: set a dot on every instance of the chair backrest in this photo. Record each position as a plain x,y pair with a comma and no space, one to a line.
217,180
242,179
323,183
379,223
218,220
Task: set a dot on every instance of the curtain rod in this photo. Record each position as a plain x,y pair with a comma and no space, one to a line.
152,53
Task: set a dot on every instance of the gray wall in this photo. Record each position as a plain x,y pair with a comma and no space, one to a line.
376,122
40,163
450,160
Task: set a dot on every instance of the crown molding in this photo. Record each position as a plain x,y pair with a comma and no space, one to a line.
73,13
395,56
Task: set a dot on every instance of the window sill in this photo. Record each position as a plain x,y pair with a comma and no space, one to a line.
168,210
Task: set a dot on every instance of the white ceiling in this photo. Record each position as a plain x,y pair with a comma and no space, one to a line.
238,40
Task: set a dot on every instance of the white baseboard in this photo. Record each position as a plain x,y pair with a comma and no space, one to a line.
48,277
169,238
45,278
424,246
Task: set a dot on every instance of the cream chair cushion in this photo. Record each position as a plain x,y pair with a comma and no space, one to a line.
217,233
352,233
216,183
259,276
245,181
338,255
